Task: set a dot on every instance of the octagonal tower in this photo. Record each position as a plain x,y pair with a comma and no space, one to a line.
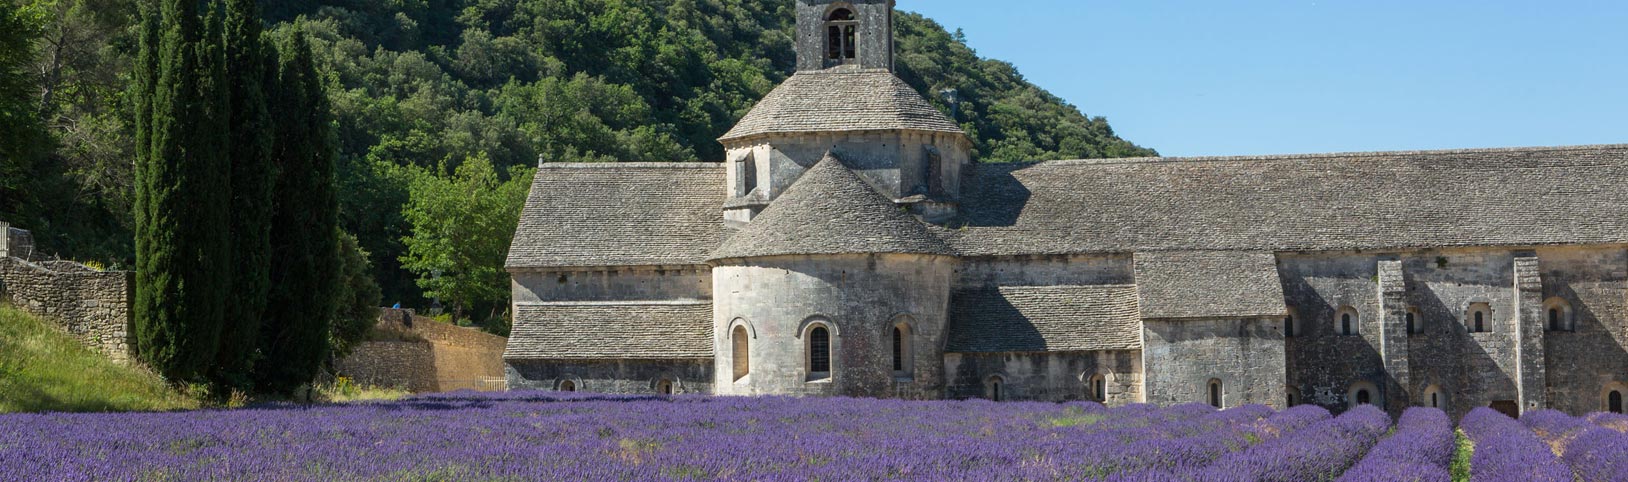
845,99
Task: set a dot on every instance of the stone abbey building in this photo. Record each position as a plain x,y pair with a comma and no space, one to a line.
849,246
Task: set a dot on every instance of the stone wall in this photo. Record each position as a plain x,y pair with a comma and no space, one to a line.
408,365
1182,357
858,298
93,306
439,357
612,376
1053,377
1587,360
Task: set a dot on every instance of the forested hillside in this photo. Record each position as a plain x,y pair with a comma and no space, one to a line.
419,87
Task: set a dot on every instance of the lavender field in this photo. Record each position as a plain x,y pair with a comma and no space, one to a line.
554,436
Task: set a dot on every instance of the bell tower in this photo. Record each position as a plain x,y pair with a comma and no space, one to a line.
847,34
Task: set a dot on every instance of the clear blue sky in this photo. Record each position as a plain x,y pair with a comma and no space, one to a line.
1223,77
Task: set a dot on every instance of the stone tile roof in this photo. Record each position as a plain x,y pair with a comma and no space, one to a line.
830,210
611,331
1044,318
640,214
1208,284
1385,200
841,100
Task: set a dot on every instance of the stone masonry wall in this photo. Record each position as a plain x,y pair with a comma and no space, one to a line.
448,357
1052,377
1588,360
93,306
1181,357
408,365
631,377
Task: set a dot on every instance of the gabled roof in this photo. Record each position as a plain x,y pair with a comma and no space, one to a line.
588,331
1208,284
627,214
1044,318
841,100
1364,201
830,210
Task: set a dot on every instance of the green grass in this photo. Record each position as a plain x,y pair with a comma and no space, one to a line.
1461,456
44,369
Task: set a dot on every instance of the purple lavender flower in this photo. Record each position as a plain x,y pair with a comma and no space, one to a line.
1420,449
1507,450
1320,452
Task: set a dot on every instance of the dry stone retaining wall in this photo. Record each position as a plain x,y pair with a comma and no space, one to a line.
438,357
92,305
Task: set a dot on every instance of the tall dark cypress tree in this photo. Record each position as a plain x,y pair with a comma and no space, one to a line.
252,181
182,191
305,253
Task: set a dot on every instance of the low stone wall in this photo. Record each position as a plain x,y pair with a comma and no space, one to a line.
396,364
92,305
447,357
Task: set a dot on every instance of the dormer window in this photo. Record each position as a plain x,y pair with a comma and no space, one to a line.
841,35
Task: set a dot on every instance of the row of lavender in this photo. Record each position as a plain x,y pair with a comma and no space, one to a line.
547,436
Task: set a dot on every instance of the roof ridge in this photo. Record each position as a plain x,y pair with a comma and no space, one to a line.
1320,155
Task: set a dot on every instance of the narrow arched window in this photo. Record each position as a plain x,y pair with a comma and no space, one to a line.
1215,393
568,386
1293,395
1363,398
1554,319
898,349
740,353
1288,326
1561,317
1096,388
841,35
1479,319
1411,329
995,386
1613,402
819,350
1345,324
1435,400
664,387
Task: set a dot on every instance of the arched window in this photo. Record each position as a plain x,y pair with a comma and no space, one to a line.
819,352
664,387
1215,393
740,352
1560,314
1479,318
841,31
1348,321
1362,393
1411,328
1097,388
1434,398
1613,402
904,359
993,388
568,386
1293,395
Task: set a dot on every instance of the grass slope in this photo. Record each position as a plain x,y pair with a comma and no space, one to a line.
45,369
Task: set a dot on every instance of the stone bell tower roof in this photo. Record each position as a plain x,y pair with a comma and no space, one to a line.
830,210
841,100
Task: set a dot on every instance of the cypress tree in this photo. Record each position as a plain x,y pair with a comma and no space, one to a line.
251,184
182,192
305,253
